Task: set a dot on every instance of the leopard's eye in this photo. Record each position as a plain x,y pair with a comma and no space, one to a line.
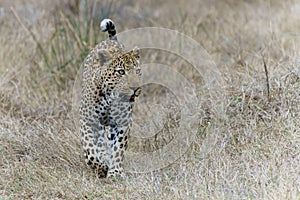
138,71
121,71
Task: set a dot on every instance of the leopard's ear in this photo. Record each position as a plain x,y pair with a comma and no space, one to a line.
103,56
136,52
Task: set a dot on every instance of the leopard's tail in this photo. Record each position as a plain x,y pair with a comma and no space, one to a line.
109,26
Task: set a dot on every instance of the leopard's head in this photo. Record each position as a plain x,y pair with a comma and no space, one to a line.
119,68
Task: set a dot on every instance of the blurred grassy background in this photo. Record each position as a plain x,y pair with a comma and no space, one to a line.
256,143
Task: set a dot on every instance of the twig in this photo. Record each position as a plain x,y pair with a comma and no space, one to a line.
71,27
267,77
33,37
19,20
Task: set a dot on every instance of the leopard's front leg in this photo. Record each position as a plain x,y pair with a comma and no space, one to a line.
117,143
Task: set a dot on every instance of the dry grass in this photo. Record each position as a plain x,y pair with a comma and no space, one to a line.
254,148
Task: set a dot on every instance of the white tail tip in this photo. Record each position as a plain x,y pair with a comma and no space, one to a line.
103,25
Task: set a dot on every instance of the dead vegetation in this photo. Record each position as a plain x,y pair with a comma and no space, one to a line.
251,151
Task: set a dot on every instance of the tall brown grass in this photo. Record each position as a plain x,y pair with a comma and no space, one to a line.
254,145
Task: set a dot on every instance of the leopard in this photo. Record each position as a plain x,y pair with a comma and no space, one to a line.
107,100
